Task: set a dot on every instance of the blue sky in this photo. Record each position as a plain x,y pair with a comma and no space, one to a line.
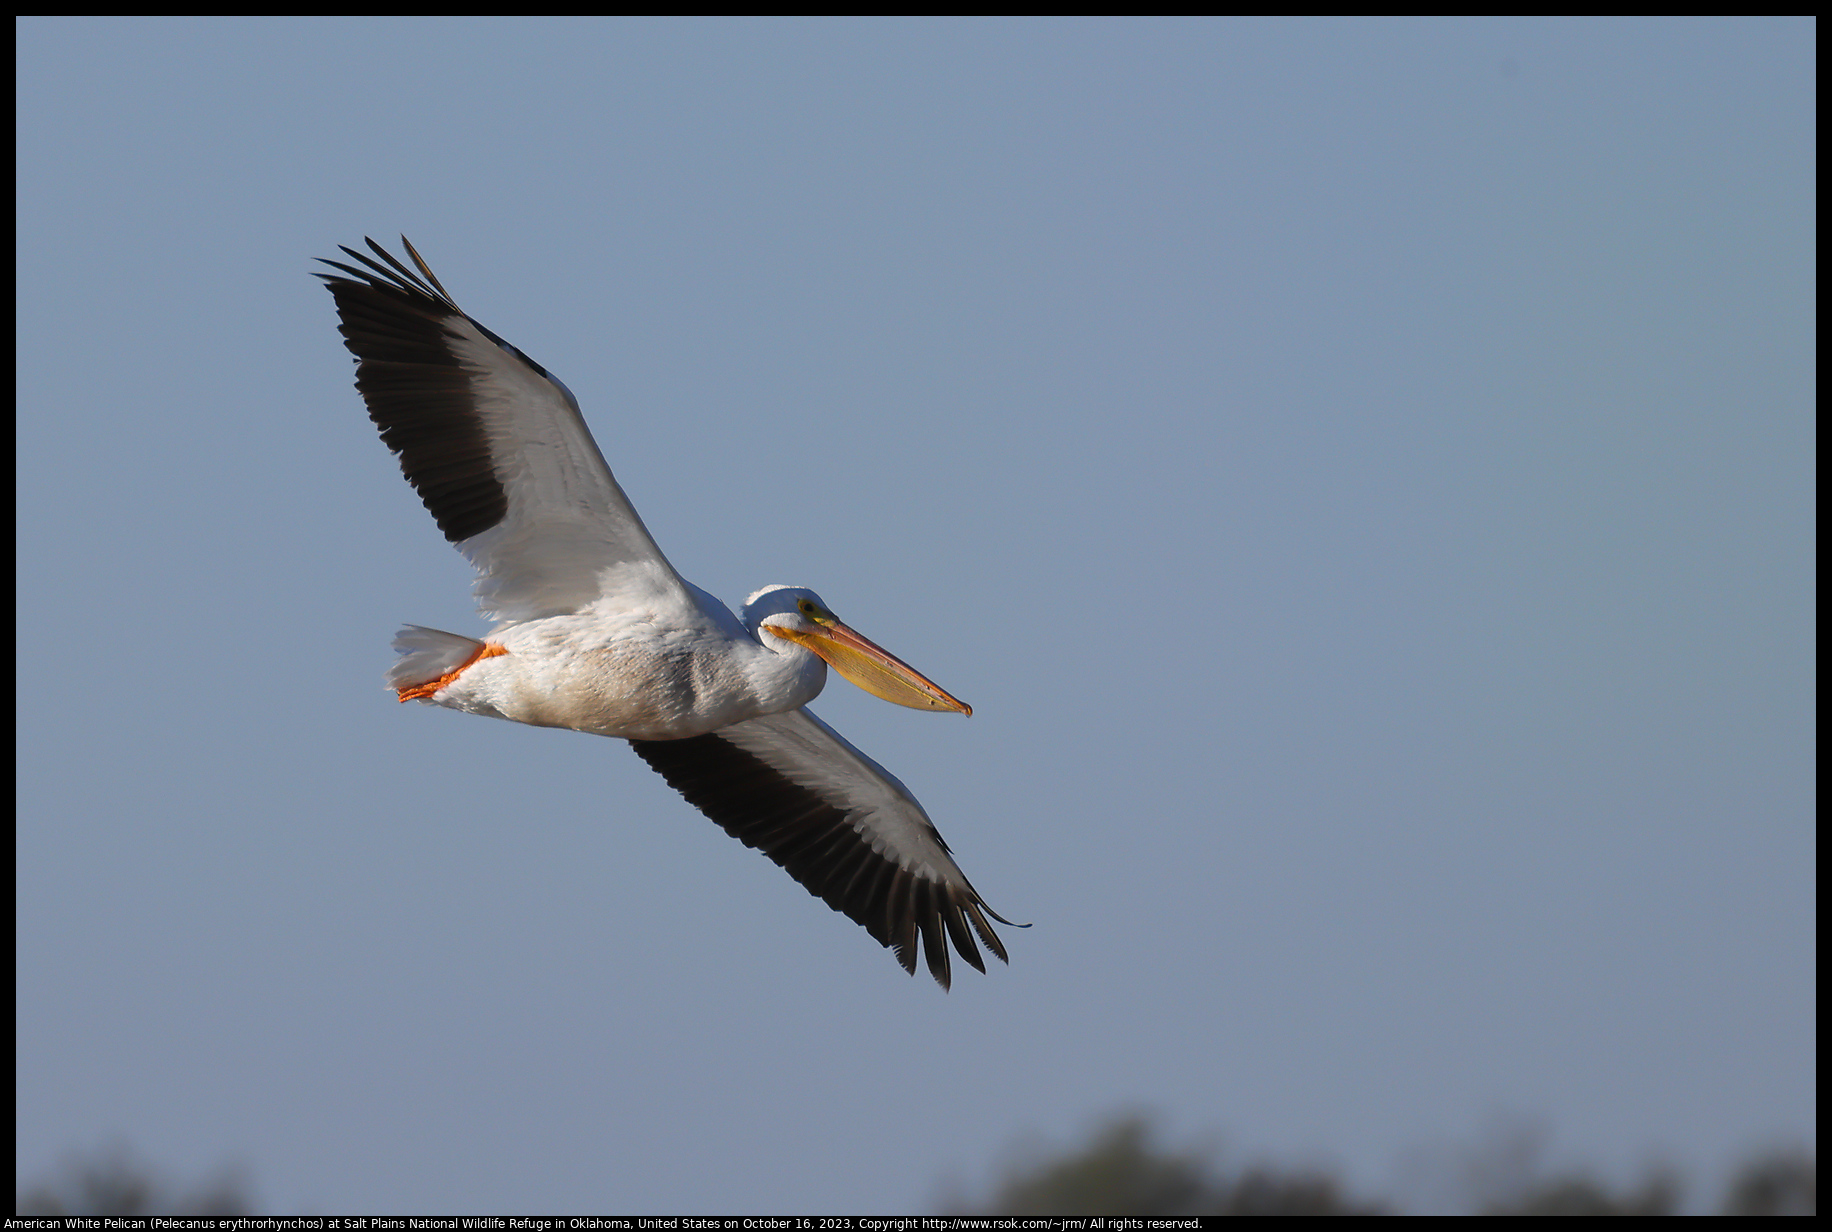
1360,473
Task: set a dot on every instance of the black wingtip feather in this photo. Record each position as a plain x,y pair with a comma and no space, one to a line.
419,393
815,843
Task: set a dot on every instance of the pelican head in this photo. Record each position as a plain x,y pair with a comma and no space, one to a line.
796,614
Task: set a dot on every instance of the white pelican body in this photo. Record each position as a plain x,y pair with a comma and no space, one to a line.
654,675
599,634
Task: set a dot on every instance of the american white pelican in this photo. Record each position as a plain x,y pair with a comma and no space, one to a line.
598,633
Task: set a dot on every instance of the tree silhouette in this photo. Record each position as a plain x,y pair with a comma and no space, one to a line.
1781,1182
1122,1172
1658,1194
111,1183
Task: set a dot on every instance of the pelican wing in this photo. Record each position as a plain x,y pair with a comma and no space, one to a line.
841,824
496,448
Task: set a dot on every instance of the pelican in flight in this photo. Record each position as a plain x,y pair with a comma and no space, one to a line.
596,631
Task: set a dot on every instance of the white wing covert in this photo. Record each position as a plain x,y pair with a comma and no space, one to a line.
496,447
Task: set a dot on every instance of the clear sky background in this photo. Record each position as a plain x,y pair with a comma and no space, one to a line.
1360,473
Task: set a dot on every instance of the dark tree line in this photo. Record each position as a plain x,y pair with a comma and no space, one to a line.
1120,1170
112,1183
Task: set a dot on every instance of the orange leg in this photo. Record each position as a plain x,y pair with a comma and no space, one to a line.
488,650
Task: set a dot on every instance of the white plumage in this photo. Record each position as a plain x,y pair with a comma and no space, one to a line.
597,632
